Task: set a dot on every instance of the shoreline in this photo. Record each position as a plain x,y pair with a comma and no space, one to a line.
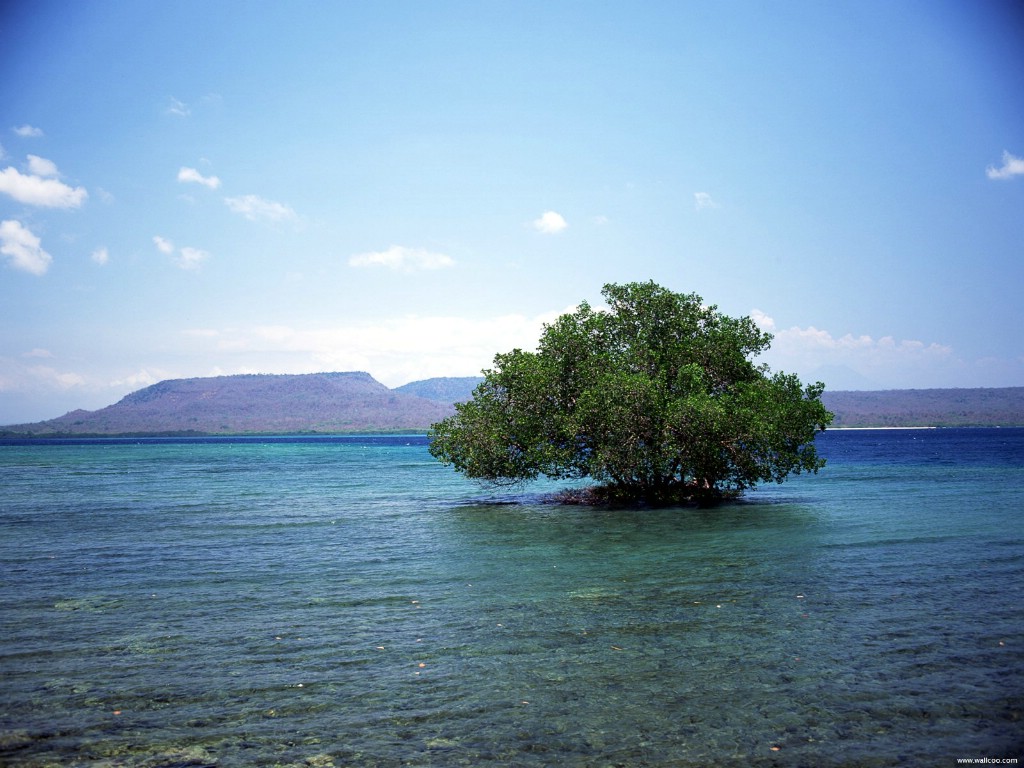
852,429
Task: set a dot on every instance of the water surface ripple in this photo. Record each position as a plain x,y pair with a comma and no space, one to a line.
348,602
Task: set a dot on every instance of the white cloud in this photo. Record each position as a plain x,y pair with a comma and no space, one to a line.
28,131
187,258
36,190
402,259
22,248
550,223
66,380
178,108
40,166
702,200
885,361
394,351
101,255
192,175
763,321
34,378
256,208
1012,166
191,258
141,378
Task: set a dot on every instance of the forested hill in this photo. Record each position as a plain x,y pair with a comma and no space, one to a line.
252,404
356,402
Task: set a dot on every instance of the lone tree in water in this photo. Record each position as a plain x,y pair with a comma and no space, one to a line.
657,400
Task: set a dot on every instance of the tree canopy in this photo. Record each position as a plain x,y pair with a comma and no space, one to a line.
656,399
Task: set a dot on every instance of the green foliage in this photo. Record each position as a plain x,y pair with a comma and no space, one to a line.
656,399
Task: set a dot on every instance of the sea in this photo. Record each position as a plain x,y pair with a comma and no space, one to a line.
348,601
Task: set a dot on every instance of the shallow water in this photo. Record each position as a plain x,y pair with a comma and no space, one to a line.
350,602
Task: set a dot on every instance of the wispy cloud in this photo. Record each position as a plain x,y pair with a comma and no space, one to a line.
60,379
28,131
178,108
256,208
394,351
402,259
33,374
187,175
1012,166
22,248
141,378
187,257
101,255
702,201
191,258
34,189
550,223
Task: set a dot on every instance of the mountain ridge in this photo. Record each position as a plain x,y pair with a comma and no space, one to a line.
353,401
251,404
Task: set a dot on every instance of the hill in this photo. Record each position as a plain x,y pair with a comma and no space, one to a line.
928,407
448,389
252,404
881,408
356,402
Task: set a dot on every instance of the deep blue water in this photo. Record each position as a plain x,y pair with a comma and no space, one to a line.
349,602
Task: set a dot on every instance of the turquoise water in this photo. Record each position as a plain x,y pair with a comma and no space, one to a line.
349,602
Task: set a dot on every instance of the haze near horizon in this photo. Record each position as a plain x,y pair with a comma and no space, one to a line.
197,189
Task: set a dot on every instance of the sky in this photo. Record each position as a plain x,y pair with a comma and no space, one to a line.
408,188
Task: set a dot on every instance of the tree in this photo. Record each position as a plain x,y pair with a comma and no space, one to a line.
656,399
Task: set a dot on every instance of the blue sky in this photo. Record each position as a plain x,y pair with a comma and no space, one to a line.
406,188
